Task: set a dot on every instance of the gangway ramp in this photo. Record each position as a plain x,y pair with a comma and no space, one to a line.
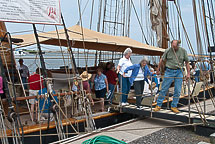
182,116
186,115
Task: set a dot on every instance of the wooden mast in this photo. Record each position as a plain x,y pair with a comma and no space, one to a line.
5,45
5,54
6,59
3,29
165,38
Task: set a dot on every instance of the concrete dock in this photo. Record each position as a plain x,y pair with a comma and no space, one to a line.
129,131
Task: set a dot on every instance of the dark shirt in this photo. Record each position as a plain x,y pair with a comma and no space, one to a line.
111,77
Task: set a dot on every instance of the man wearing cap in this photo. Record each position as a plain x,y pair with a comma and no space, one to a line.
24,72
174,57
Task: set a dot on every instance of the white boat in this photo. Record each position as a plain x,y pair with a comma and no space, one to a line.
20,53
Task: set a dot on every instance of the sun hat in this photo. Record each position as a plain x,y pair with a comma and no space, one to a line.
85,76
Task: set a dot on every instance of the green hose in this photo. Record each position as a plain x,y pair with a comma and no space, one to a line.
103,140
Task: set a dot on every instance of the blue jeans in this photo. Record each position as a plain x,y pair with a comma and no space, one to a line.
125,86
169,76
197,76
111,88
24,80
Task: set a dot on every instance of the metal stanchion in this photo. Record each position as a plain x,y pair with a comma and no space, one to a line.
120,102
204,98
151,96
120,97
189,99
168,99
185,91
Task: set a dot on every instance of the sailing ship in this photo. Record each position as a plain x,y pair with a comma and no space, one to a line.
74,114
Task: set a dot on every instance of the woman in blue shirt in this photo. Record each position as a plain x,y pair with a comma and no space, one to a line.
139,75
101,86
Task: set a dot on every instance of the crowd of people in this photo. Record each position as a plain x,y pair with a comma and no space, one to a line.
174,61
106,79
200,69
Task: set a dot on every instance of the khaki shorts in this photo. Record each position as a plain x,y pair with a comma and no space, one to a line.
33,93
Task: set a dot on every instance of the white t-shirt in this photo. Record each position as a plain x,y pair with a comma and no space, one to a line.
140,75
124,63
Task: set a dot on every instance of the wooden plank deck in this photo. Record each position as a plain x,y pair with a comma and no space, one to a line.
167,114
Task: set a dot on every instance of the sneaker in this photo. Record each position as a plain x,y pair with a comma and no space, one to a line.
52,118
123,104
139,107
157,108
108,109
43,118
127,103
175,110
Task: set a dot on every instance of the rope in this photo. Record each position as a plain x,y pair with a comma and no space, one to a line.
139,21
67,119
15,120
202,25
22,31
82,32
83,11
91,17
191,48
67,71
5,60
186,34
103,139
198,38
22,85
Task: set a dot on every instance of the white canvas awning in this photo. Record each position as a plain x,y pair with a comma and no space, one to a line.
93,41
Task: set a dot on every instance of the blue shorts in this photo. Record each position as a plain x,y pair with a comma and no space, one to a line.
100,93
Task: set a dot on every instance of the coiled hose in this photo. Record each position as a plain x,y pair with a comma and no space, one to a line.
103,140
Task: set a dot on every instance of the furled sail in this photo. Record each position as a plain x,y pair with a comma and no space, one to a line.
156,19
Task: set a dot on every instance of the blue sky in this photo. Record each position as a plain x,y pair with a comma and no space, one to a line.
71,15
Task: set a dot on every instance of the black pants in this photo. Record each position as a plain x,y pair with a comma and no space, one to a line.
211,75
138,87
